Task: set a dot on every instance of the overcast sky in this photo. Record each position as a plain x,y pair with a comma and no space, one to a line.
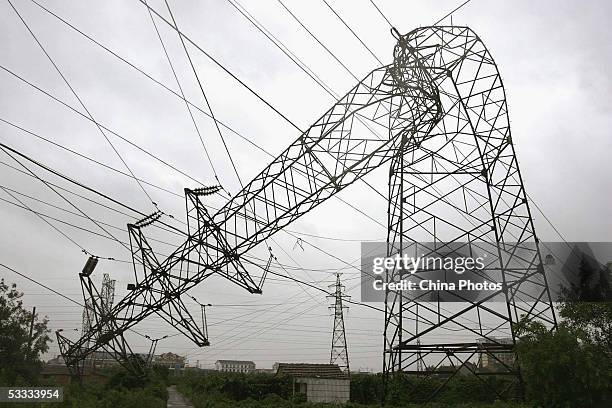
554,58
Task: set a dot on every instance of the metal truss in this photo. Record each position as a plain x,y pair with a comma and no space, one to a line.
348,141
461,190
339,348
107,297
438,114
99,325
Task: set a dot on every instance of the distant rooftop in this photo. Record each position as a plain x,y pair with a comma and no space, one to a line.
307,370
234,362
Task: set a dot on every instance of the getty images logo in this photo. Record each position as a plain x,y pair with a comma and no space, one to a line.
412,264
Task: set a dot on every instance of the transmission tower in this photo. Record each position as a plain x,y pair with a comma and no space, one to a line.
438,115
339,349
99,326
107,297
461,191
338,149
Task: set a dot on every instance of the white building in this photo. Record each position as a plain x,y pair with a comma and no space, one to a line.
501,357
235,366
319,382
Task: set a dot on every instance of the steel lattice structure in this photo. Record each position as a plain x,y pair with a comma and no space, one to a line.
99,325
462,189
437,112
339,348
348,141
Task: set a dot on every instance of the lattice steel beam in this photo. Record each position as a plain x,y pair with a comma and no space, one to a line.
348,141
461,190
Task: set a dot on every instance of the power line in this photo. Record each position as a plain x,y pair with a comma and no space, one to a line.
59,145
353,32
80,101
289,277
5,148
7,190
318,41
274,325
279,44
53,290
88,199
450,13
45,220
290,232
47,216
222,66
264,329
178,83
141,71
22,79
381,13
195,73
42,285
70,180
97,223
165,87
326,292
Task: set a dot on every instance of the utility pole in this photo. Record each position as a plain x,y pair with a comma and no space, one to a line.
203,310
31,330
204,323
339,350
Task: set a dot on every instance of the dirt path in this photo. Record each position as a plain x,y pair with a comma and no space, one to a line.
176,399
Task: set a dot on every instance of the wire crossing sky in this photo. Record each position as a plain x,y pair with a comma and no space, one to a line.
117,80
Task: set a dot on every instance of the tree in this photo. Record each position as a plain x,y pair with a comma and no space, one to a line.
559,370
587,307
19,354
572,365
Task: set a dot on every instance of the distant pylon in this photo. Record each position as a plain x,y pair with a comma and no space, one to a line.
339,350
107,298
108,292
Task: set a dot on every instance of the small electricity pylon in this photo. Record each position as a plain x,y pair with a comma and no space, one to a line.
99,324
107,297
339,350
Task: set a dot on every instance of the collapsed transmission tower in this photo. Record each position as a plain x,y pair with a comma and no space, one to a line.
459,192
438,114
339,349
330,155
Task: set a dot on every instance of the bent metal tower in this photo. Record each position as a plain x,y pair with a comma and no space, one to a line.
459,188
437,116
